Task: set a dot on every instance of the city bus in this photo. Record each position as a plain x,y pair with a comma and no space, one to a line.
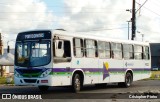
45,58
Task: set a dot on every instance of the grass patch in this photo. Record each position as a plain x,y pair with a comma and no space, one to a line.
155,75
3,80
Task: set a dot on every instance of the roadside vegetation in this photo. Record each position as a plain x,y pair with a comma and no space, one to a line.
155,75
3,80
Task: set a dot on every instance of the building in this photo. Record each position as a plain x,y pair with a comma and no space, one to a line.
1,53
9,69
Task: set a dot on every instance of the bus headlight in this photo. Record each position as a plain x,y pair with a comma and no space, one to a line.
17,74
44,74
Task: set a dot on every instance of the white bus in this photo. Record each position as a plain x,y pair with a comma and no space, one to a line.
46,58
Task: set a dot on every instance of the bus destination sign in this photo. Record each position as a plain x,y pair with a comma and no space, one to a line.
33,35
29,36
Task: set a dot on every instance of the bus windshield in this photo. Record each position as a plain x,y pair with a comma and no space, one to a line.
33,53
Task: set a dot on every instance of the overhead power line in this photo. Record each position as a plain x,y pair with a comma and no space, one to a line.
141,6
150,10
104,29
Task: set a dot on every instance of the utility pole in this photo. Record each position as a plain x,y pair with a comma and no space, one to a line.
1,45
133,20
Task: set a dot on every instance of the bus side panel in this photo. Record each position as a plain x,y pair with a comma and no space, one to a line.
138,66
91,70
104,70
61,74
89,66
116,70
147,69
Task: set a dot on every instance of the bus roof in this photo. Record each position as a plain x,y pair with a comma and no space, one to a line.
95,37
89,36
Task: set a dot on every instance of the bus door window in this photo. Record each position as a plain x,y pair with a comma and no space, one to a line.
67,49
22,55
62,51
59,51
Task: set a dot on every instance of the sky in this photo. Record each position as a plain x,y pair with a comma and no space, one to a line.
106,18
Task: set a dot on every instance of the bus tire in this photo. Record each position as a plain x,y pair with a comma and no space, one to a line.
128,81
43,88
76,83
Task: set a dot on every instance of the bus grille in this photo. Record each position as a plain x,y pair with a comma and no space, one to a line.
30,80
30,72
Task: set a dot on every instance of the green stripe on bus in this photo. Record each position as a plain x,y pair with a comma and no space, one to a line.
96,73
60,73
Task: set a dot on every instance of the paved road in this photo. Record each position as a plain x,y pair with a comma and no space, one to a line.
89,92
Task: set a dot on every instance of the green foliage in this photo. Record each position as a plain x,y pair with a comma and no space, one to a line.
155,75
3,81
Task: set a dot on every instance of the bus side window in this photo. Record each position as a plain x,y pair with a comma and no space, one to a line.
138,52
146,54
116,50
78,47
91,48
128,51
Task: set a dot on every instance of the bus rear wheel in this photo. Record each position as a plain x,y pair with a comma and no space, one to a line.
76,83
128,81
43,88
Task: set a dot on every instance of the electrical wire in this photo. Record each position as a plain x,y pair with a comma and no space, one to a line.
141,6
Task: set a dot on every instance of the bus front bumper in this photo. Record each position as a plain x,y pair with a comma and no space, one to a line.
33,81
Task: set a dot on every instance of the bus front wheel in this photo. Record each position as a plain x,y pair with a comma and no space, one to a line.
76,83
43,88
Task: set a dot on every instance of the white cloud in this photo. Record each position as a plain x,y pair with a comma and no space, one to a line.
22,15
88,15
106,18
148,22
100,15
